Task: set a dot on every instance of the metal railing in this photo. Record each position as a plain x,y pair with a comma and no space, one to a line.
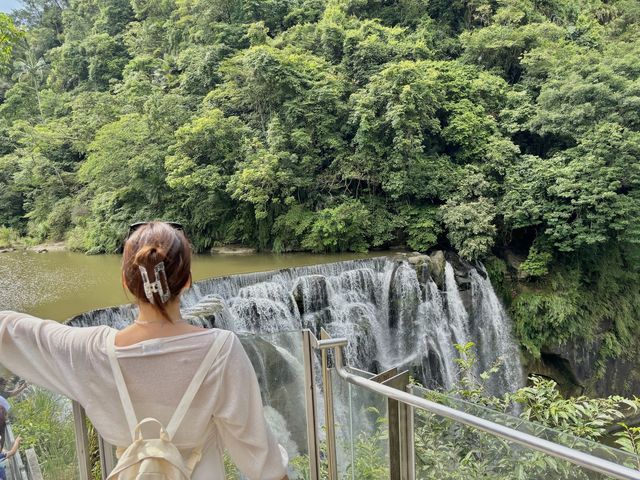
14,466
393,386
582,459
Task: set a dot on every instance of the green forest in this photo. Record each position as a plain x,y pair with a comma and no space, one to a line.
506,130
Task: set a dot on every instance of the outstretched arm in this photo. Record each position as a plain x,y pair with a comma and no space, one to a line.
45,352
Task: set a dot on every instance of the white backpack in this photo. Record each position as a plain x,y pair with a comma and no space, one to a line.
158,458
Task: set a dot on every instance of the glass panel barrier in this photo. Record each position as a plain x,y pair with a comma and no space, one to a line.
445,449
278,361
45,421
361,431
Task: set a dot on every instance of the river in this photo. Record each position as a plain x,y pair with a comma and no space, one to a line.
59,285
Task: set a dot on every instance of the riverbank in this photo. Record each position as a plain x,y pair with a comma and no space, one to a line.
12,241
39,248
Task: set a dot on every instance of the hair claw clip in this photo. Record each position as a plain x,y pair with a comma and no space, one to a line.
156,286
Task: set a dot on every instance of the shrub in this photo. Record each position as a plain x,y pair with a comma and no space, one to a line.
8,237
341,228
423,227
45,422
536,264
447,450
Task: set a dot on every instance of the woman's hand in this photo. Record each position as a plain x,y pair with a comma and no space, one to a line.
14,448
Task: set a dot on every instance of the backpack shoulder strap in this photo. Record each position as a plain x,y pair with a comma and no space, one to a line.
196,382
125,399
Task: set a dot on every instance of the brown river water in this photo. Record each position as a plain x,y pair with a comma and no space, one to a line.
58,285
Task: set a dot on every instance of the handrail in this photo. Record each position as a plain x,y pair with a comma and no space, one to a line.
556,450
328,343
15,463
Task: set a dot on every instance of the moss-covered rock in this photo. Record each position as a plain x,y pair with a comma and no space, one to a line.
437,263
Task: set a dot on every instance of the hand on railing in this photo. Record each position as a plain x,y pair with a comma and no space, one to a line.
14,448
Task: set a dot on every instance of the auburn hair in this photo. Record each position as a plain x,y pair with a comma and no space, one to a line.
149,245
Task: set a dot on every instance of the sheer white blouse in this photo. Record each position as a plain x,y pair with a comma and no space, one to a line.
226,413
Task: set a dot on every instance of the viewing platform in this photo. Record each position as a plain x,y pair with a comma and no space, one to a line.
347,423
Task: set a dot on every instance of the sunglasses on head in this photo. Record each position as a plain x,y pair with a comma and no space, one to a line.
135,226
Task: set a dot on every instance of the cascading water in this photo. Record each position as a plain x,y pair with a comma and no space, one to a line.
492,333
405,298
458,315
437,341
392,313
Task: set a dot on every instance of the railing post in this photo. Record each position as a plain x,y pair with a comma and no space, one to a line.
398,450
107,459
311,407
328,412
35,473
410,437
82,440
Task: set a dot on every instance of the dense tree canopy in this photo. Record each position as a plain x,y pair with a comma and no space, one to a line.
324,125
329,125
9,35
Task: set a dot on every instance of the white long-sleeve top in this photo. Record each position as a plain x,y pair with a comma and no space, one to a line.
226,413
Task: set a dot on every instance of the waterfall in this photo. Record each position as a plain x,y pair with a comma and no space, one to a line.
405,298
393,314
437,341
493,336
458,315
